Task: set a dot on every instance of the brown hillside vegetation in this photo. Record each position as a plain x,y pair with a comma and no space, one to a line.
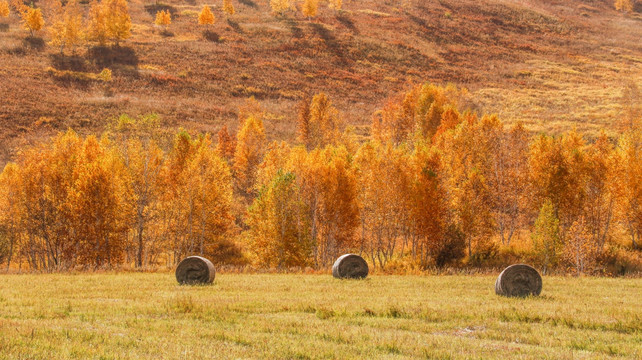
554,65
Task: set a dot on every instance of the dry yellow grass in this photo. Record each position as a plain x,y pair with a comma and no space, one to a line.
149,316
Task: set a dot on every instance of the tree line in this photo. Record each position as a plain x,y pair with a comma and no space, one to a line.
434,185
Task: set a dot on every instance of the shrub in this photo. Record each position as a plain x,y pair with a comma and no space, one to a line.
621,261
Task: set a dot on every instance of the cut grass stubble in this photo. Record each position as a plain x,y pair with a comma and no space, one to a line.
135,315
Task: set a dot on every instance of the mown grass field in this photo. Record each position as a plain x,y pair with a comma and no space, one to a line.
138,315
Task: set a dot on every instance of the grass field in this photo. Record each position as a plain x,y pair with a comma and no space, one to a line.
137,315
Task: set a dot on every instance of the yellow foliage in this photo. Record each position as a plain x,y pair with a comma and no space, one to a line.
119,22
104,75
310,8
206,17
250,146
319,122
579,252
97,24
228,7
163,18
69,75
68,27
336,4
109,19
32,20
279,6
4,9
280,227
624,5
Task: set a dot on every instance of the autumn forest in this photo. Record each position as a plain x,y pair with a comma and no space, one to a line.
436,185
435,181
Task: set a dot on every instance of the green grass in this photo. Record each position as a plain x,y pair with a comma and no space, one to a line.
136,315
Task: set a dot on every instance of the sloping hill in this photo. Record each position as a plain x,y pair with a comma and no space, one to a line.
553,64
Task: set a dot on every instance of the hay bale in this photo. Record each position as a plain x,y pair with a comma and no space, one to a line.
519,280
195,270
350,266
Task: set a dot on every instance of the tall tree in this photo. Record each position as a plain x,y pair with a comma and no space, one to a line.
509,181
546,237
303,122
436,235
250,147
279,224
97,205
117,19
381,175
47,178
468,150
417,114
318,122
226,144
329,189
557,173
580,252
629,186
97,26
209,187
67,29
601,190
11,212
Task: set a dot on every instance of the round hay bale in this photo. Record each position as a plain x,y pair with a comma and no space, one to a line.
519,280
195,270
350,266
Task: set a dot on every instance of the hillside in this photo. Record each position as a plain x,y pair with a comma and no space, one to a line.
554,65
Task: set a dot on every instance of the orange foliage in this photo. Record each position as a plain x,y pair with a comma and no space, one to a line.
434,186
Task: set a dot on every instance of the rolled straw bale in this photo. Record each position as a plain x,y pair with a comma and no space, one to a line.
519,280
195,270
350,266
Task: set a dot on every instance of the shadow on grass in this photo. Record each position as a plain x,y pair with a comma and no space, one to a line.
73,62
330,41
72,80
294,28
249,3
105,56
235,26
4,27
35,43
212,36
166,33
152,9
346,21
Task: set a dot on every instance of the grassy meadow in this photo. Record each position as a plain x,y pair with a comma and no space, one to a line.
143,315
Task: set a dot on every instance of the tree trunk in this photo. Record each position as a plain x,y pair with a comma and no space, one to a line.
139,260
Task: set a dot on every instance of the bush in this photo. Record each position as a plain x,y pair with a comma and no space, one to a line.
403,266
452,249
79,76
226,252
620,261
